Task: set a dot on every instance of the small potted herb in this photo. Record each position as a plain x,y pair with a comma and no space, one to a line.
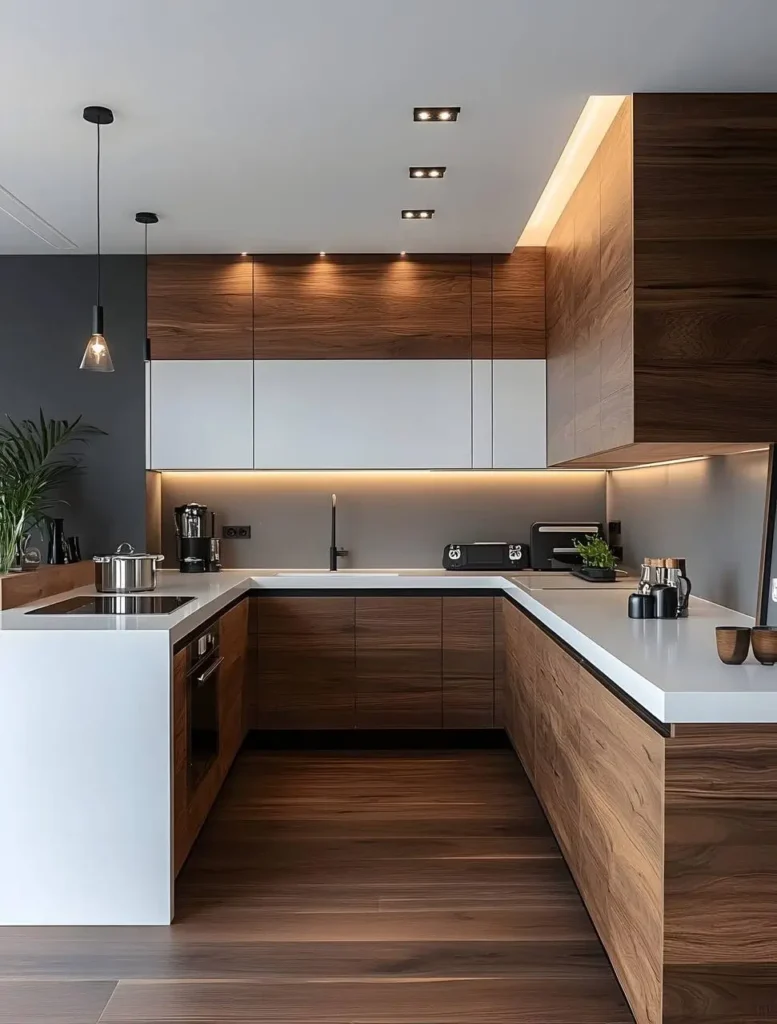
598,560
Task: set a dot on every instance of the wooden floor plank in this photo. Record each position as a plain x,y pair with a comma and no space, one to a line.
53,1002
368,888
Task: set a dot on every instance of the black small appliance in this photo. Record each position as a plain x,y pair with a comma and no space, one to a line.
195,535
553,544
486,556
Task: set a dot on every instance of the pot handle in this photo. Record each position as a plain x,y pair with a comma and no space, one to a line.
158,558
125,549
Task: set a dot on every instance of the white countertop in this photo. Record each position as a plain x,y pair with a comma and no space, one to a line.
670,667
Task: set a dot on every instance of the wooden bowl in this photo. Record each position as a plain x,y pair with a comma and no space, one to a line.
765,644
733,643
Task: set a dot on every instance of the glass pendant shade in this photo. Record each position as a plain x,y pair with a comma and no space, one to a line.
97,355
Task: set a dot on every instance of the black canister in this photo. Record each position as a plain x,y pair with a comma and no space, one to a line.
666,600
642,606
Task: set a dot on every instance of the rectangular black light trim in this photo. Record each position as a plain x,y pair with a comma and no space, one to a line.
436,113
428,172
417,214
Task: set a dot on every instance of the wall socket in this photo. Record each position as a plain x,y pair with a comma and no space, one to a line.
236,532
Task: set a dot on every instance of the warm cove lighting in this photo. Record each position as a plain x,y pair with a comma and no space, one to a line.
597,116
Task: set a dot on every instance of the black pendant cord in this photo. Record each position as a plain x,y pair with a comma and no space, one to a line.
99,295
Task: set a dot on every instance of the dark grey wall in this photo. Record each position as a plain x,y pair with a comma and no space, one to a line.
709,512
388,520
45,320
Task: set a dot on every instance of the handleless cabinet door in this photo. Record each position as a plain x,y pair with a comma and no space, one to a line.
201,414
363,414
509,421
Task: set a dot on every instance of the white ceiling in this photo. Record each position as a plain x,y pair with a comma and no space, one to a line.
286,125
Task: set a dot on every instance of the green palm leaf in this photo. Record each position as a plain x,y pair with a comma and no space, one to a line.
36,458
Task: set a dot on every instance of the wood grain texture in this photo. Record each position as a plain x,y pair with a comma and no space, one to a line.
53,1002
468,662
589,305
598,771
518,290
305,663
500,661
705,266
20,588
181,841
233,633
520,688
200,307
721,841
482,307
620,859
340,887
399,662
362,307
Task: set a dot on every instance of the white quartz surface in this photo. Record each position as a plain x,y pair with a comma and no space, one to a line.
670,667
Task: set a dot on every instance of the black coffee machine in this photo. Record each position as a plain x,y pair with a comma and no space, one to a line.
197,545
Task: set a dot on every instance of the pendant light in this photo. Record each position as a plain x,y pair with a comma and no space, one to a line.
145,219
97,356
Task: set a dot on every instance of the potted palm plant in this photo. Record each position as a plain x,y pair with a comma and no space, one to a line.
34,463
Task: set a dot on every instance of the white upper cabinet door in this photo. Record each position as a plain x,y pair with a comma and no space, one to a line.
363,414
202,414
509,427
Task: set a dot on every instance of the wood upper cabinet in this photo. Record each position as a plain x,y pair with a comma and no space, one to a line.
399,662
305,663
468,662
362,307
200,307
518,297
347,307
661,283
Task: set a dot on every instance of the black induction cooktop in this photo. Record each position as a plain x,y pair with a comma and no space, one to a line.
114,604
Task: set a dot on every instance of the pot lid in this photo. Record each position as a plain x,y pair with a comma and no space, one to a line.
126,552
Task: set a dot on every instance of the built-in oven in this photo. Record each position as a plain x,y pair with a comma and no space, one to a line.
202,694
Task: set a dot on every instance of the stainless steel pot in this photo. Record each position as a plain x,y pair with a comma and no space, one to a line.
126,571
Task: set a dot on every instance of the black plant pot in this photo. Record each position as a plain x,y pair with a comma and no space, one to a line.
595,574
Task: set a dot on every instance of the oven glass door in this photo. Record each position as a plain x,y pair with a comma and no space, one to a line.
203,719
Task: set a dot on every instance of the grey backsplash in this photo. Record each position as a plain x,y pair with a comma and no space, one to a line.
400,519
709,512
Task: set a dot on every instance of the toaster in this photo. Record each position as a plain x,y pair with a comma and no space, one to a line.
553,544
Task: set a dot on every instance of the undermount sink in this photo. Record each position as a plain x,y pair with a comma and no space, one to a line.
340,572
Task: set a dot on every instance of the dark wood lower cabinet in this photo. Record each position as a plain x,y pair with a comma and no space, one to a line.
305,663
671,839
191,808
385,662
399,662
468,662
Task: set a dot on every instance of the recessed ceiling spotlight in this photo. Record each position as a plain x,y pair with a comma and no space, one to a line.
417,214
322,253
403,253
427,172
243,253
436,113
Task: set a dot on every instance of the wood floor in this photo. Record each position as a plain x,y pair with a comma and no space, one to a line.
378,888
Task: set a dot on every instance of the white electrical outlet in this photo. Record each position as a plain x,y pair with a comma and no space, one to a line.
774,590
